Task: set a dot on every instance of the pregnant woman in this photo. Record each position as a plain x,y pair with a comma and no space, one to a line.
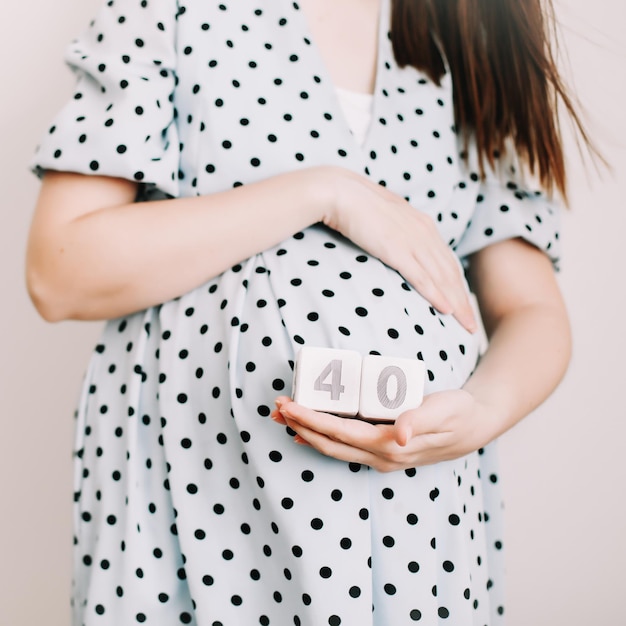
232,181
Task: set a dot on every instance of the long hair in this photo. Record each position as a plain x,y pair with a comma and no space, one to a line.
506,84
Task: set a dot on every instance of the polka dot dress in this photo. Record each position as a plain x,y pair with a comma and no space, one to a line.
191,505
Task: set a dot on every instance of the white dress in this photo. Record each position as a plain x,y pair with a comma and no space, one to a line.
191,505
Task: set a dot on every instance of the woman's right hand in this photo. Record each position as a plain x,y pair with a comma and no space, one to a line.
389,228
96,254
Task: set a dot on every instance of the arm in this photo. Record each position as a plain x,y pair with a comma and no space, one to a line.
94,253
528,328
529,350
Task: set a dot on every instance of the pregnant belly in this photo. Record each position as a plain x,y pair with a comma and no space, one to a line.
330,293
314,289
237,336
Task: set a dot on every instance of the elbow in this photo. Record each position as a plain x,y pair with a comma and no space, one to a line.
45,296
43,282
59,295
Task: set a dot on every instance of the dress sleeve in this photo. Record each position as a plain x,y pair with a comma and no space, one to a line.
121,119
505,209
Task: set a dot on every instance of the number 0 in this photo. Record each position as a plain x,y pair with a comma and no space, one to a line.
383,387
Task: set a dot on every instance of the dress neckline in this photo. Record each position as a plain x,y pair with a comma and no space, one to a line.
374,97
357,109
357,96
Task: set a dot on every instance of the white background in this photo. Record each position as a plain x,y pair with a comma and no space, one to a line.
563,467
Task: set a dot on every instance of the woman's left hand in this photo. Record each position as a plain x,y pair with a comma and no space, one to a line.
447,425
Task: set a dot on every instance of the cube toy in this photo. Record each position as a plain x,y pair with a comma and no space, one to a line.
390,386
328,380
376,388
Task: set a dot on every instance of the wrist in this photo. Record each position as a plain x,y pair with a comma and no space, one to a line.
494,407
325,192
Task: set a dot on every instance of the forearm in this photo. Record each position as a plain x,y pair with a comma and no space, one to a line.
527,357
119,259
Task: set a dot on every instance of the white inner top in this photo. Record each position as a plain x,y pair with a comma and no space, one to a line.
357,109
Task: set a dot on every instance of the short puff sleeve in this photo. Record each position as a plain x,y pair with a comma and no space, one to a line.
121,119
506,209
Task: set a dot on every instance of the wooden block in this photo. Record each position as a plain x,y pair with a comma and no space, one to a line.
390,386
328,380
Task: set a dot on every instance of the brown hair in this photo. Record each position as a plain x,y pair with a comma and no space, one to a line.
506,84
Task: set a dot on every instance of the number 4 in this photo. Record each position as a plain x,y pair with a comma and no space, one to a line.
329,380
335,387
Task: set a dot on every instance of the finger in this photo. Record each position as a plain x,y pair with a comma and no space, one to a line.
424,283
333,448
352,432
418,439
430,419
447,299
277,417
280,400
414,422
389,459
441,266
467,320
463,310
276,414
403,428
